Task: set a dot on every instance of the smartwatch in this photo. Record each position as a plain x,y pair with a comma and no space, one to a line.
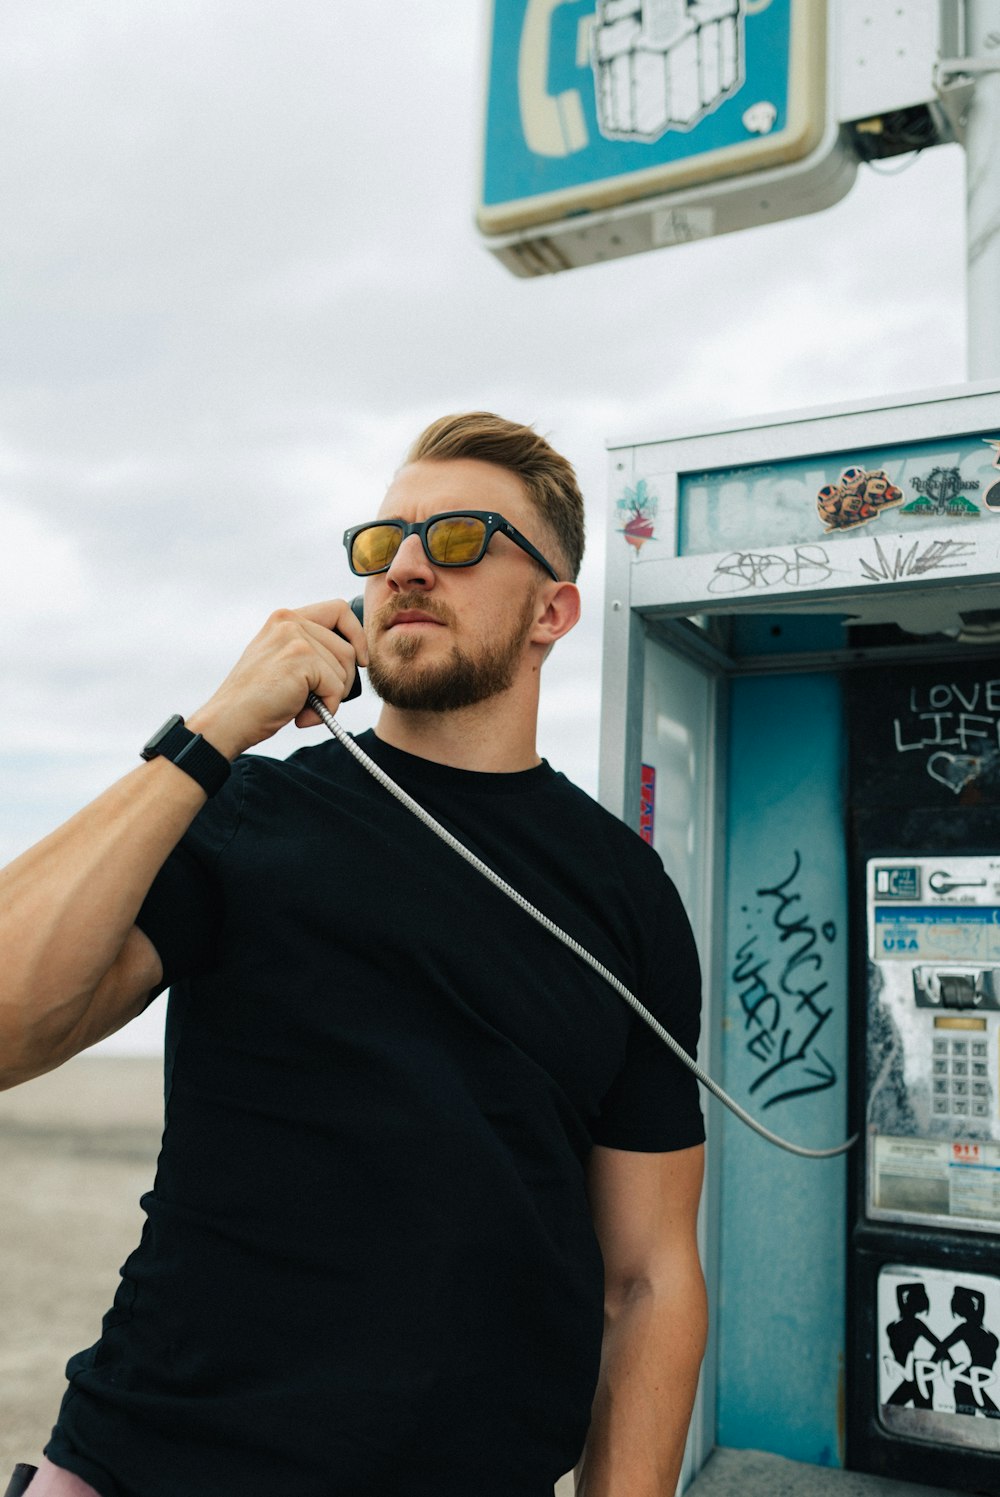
190,752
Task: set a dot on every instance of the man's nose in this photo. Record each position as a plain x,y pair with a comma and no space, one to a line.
410,567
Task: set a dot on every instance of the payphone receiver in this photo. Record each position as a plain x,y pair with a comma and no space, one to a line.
358,609
378,773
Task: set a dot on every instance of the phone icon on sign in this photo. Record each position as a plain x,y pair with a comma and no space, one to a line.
553,124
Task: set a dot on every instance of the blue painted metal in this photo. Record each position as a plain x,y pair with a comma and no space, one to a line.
517,168
782,1250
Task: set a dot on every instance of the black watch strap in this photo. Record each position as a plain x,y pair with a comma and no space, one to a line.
190,752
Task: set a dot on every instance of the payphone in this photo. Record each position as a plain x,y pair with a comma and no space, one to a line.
924,1266
801,711
933,1138
933,1031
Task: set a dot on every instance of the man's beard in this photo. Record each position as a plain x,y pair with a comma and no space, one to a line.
462,680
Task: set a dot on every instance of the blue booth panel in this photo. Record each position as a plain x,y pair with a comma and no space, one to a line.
784,1045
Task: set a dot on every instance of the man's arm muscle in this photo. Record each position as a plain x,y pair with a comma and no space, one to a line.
73,965
645,1209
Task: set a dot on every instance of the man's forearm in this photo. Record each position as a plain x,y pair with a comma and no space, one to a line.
654,1342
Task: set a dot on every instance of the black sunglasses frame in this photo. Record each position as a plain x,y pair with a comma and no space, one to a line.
491,520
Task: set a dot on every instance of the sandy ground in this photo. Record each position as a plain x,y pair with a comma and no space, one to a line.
77,1149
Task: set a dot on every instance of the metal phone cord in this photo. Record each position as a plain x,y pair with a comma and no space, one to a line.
344,738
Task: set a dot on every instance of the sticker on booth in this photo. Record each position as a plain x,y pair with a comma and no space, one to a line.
938,1338
941,493
991,498
857,497
647,803
638,508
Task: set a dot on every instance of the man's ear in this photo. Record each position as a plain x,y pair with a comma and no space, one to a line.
559,612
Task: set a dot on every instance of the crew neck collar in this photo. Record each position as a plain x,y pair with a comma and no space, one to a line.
398,762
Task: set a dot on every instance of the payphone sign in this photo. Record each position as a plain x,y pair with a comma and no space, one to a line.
593,103
934,1041
937,1353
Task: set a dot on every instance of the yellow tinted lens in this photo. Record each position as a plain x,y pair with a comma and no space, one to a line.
374,548
456,541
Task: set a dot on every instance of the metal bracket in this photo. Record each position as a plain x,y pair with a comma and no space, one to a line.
954,83
947,68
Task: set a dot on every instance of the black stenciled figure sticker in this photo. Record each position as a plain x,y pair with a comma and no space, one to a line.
905,1335
857,497
992,496
975,1371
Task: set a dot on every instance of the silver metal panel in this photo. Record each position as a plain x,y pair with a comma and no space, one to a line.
641,677
795,433
892,575
886,55
681,708
622,669
933,1108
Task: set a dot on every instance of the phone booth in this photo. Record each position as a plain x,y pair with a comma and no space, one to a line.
801,712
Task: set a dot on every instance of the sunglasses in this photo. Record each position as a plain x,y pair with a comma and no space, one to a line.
458,538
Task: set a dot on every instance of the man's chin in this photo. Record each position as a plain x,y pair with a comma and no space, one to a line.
398,645
439,688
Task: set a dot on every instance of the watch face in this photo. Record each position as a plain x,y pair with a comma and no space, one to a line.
155,744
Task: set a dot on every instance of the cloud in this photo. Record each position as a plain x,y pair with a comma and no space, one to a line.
239,273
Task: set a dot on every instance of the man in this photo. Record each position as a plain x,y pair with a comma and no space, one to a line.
403,1123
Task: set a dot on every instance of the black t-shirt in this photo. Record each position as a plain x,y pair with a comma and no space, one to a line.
368,1265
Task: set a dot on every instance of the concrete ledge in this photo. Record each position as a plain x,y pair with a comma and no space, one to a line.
752,1473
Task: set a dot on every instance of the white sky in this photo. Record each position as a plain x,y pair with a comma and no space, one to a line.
239,273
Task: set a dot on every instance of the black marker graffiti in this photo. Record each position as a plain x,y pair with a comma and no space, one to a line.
742,571
786,1019
916,562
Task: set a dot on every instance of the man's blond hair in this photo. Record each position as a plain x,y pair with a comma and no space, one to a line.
548,478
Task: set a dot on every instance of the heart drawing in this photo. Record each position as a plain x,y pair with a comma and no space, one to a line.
954,770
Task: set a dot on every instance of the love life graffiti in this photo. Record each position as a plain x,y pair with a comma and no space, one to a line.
778,976
954,727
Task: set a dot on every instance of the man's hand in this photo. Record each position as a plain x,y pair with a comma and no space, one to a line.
298,651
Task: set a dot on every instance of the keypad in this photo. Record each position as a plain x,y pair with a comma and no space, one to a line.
960,1085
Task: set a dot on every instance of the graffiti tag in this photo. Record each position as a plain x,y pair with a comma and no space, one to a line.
917,561
785,1020
742,571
